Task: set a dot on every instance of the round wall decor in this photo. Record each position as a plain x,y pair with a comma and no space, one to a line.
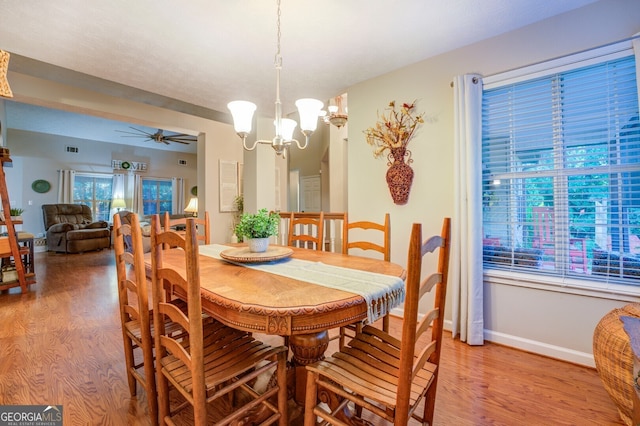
194,191
41,186
125,165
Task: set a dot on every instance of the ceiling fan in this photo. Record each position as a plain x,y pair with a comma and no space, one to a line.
160,137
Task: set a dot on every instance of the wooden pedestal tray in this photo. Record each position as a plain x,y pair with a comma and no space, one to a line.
244,255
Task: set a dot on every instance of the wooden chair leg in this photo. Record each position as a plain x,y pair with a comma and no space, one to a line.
310,399
163,397
283,405
129,363
152,394
385,323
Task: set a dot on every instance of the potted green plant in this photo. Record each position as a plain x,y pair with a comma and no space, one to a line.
16,213
257,228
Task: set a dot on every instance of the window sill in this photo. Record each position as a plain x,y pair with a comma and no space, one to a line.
569,285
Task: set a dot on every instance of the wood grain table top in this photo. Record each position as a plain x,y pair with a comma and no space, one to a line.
259,301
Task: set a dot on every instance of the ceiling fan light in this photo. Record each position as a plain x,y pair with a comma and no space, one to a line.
309,110
242,113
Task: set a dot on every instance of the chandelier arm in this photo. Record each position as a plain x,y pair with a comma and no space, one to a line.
244,144
306,142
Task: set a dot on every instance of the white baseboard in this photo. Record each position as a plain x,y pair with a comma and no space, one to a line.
552,351
528,345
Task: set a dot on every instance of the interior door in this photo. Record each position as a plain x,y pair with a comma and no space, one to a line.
311,194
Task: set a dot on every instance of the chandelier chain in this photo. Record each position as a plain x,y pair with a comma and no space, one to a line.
278,59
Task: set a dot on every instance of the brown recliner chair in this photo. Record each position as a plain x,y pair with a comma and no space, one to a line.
71,229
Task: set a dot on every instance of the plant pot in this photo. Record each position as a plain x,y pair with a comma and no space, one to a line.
258,245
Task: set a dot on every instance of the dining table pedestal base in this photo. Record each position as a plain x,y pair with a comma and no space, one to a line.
306,349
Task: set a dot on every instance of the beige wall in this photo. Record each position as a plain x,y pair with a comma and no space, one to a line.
549,322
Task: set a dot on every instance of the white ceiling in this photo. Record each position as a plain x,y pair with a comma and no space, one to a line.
209,52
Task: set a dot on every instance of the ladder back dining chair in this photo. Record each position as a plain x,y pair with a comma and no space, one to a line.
134,309
381,244
214,361
377,372
305,231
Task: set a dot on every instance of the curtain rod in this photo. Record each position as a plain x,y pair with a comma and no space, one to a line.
633,37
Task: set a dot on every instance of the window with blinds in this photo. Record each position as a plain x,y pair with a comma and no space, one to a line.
561,174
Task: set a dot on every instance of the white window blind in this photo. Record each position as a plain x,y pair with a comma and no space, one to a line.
561,174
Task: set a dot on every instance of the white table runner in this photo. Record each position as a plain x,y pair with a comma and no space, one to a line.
381,292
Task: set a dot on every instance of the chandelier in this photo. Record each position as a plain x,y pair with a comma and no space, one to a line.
309,110
337,116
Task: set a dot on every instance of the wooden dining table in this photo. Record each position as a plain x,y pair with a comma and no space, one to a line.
261,302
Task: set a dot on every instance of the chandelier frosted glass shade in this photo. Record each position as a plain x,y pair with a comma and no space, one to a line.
287,127
242,113
309,110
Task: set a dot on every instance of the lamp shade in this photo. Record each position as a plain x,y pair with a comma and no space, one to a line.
309,110
192,207
287,126
118,203
242,113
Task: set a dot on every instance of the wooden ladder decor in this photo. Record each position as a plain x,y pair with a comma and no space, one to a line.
12,249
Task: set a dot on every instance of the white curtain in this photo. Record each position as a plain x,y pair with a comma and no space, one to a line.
177,195
137,205
66,179
117,186
466,243
117,191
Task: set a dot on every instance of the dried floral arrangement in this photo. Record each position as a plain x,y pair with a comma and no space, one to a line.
395,128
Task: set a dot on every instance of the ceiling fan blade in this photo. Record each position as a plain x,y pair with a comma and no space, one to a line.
159,136
177,140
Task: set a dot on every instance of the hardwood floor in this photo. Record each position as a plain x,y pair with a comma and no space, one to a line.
61,344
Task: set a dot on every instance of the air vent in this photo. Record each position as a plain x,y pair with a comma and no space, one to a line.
73,149
182,162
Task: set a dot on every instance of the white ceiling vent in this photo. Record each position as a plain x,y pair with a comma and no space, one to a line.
73,149
182,162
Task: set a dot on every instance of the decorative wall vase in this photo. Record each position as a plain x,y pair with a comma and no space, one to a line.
399,175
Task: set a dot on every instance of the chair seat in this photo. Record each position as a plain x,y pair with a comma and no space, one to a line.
135,331
228,353
369,366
